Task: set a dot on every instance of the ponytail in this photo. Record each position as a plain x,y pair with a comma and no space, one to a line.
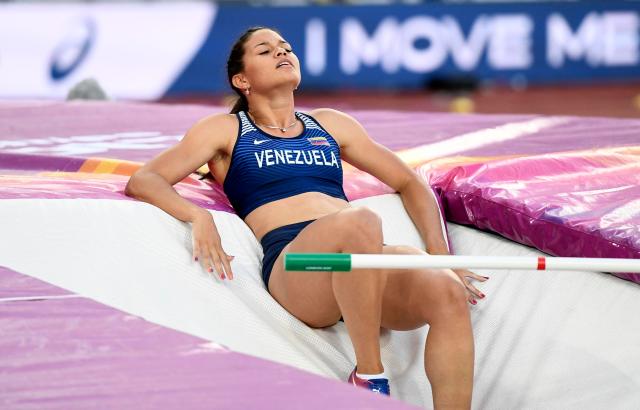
241,104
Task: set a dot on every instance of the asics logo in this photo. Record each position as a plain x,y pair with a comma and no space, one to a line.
73,50
258,142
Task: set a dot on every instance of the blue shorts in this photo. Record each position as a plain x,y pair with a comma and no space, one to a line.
274,242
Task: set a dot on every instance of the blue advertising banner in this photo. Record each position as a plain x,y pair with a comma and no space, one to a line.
406,45
150,50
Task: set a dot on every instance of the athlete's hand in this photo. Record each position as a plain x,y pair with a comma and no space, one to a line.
471,290
207,247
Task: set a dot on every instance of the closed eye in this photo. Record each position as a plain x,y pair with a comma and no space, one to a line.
266,52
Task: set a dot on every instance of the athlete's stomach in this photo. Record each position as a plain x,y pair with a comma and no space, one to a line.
297,208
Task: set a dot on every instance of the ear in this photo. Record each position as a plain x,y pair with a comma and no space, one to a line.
240,81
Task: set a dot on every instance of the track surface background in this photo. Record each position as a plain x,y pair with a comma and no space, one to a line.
609,100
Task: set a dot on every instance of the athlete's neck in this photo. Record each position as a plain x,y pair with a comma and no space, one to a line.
274,110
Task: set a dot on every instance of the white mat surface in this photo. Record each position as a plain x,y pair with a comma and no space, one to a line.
552,340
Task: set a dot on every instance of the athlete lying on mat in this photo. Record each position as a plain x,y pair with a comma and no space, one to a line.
281,171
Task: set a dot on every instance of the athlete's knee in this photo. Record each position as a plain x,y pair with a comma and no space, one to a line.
362,223
454,292
451,298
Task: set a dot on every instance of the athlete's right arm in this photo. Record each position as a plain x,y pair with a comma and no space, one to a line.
153,183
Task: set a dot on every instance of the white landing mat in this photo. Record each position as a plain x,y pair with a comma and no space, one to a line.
552,340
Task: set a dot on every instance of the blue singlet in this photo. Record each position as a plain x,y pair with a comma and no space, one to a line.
265,168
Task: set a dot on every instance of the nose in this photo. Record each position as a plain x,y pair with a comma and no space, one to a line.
280,51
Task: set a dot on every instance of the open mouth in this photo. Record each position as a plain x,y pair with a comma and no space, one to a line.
284,64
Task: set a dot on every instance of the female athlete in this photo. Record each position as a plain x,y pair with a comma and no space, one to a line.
282,172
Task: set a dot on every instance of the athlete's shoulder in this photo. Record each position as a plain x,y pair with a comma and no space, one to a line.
220,123
330,115
217,129
340,125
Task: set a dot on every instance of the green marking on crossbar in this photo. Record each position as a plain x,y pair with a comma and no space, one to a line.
338,262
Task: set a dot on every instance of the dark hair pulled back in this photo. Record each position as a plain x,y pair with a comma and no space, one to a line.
235,65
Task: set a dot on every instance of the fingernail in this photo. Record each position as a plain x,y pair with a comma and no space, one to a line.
473,301
482,295
210,270
222,276
195,259
486,277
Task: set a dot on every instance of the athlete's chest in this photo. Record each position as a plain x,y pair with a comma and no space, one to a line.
289,153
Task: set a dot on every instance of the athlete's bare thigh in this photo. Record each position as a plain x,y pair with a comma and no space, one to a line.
309,295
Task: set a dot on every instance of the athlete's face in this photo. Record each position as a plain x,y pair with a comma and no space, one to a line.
269,62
